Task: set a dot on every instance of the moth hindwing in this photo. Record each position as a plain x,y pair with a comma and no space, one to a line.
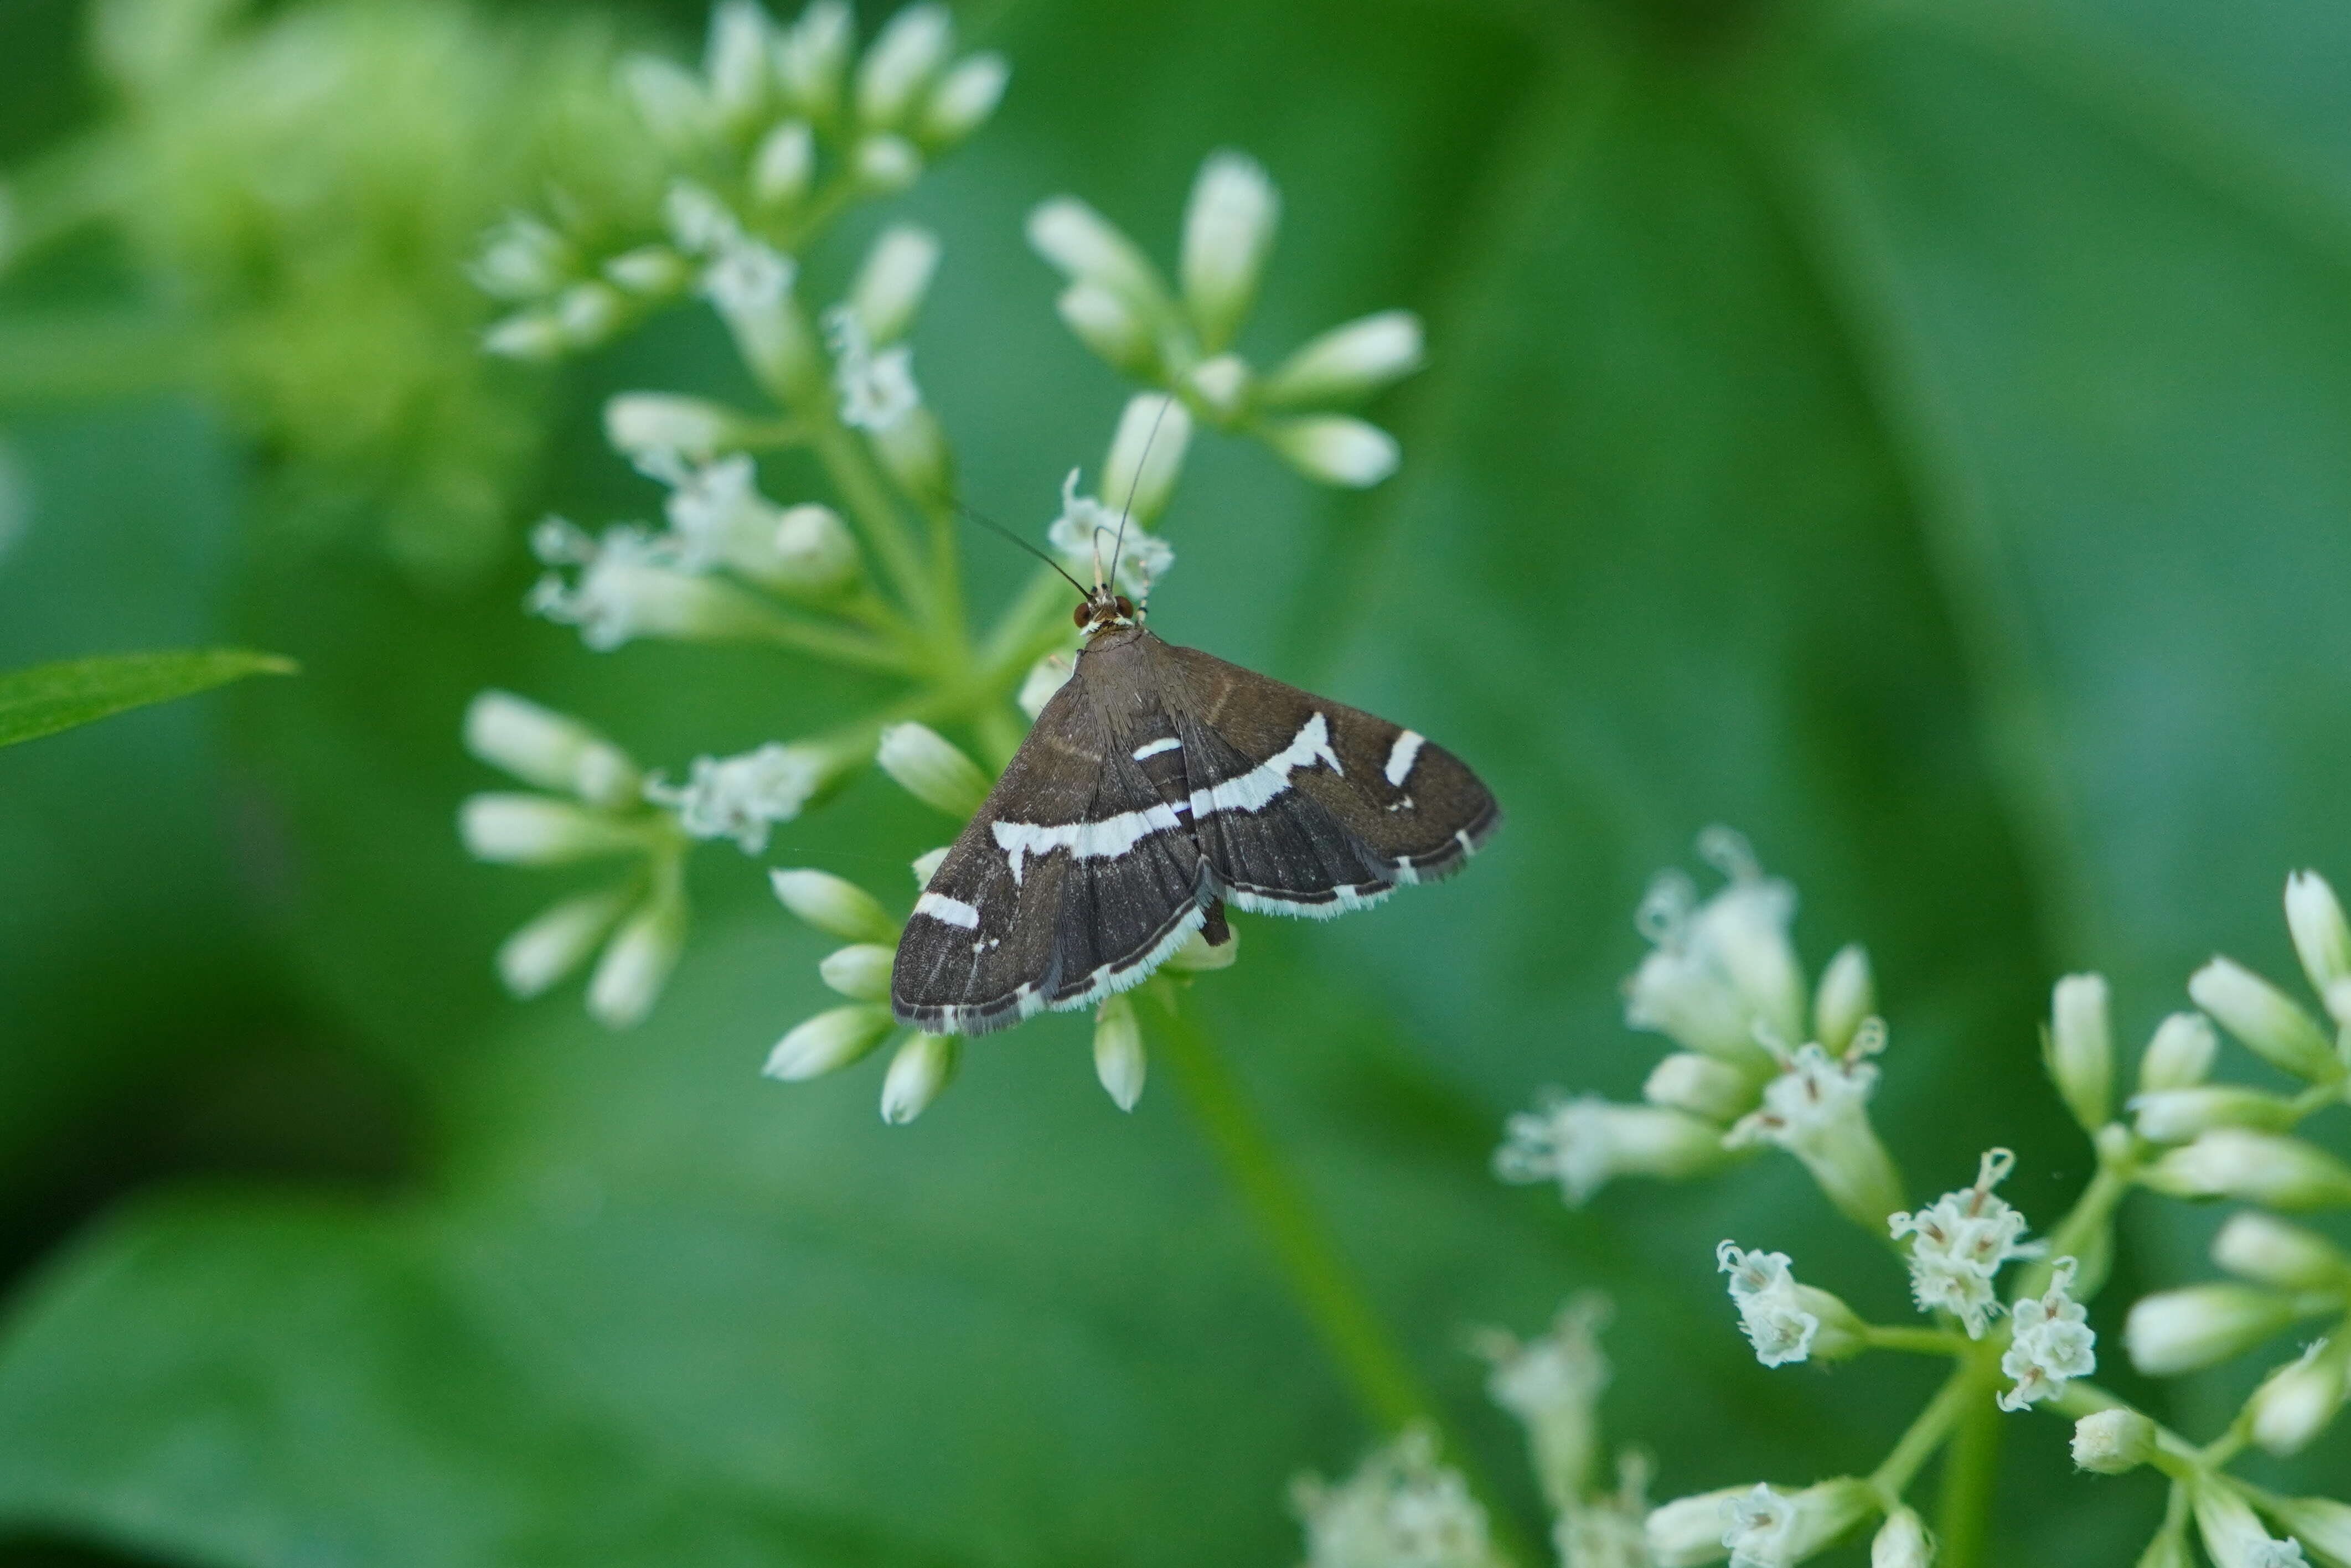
1156,784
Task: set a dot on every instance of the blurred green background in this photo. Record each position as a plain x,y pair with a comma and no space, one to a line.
1916,433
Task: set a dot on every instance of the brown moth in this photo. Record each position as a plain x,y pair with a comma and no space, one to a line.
1158,785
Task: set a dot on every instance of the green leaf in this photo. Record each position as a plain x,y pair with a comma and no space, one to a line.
48,698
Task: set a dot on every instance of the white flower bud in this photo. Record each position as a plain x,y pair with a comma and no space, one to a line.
927,865
886,163
2111,1442
828,1042
813,56
2079,1050
964,99
642,424
1349,361
586,313
1228,229
637,961
1196,956
2262,1016
750,286
629,588
928,767
1105,322
699,224
2176,1116
1700,1085
539,830
1333,449
556,941
524,259
1553,1383
672,104
2179,1056
2286,1257
835,905
1224,384
1767,1528
2322,937
814,554
2321,1523
891,285
2296,1403
2232,1533
1584,1143
900,63
1046,676
921,1070
1147,454
2267,1168
533,335
784,166
1902,1543
860,971
1847,994
651,271
1688,1531
1119,1059
1088,249
736,62
2179,1331
552,750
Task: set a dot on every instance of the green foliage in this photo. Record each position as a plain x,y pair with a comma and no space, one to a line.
1915,435
48,698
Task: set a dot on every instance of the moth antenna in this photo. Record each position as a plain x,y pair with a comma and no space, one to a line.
972,514
1127,509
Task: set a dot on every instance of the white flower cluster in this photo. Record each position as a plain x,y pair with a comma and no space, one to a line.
781,128
1722,980
1401,1509
1179,339
1958,1243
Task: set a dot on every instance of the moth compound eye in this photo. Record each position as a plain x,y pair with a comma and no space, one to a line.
1126,606
1080,615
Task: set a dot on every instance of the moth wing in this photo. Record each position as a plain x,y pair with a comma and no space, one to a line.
1028,911
1305,806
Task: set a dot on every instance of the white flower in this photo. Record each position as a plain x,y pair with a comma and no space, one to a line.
631,585
928,767
1348,362
516,828
1553,1385
1847,995
2112,1441
785,164
715,512
639,424
1089,248
1607,1532
735,61
2053,1342
1768,1529
2296,1403
1700,1085
926,865
2178,1331
1688,1531
885,162
2233,1536
699,224
2079,1047
523,259
1902,1542
1228,229
876,391
552,750
828,1042
558,941
1147,454
747,277
1401,1509
1119,1059
1723,970
891,284
740,797
2266,1020
860,971
2322,937
2269,1250
1765,1293
1109,324
671,103
637,961
1584,1143
812,55
1088,536
1959,1242
901,62
2258,1167
1818,1110
1335,449
919,1073
2179,1054
1046,676
965,97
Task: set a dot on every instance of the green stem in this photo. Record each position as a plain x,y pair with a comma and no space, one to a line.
2086,1233
1922,1342
1971,1464
1326,1288
852,474
843,647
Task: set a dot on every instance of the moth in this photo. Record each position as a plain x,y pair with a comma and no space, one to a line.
1157,786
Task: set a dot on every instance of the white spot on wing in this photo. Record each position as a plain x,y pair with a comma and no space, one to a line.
947,911
1150,749
1402,756
1084,840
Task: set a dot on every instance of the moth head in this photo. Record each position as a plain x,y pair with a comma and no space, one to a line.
1102,610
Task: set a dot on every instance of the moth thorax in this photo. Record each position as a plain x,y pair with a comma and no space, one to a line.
1102,610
